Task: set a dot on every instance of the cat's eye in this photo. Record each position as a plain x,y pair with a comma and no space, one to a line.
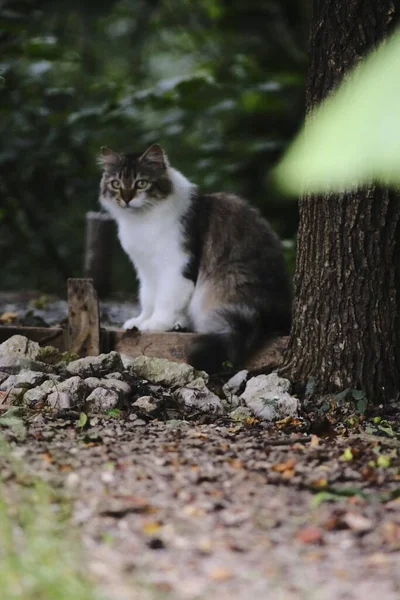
141,184
116,184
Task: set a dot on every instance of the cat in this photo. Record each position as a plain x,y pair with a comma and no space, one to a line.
205,262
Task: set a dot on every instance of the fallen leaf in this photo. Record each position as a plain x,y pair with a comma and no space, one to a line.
235,463
319,483
369,473
82,420
193,511
384,461
47,457
333,522
288,474
65,468
288,422
8,317
347,455
310,535
314,441
221,574
251,421
285,466
152,527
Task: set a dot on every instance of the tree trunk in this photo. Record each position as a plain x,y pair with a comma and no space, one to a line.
346,314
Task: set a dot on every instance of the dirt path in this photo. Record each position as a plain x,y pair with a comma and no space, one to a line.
178,510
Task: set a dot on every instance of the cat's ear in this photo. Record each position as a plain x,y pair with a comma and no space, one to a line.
108,157
156,156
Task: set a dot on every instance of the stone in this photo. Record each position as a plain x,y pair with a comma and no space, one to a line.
177,424
101,400
19,345
120,387
241,413
116,375
15,364
15,396
196,396
166,372
127,361
40,393
74,388
148,404
60,400
96,366
25,379
3,377
269,397
235,385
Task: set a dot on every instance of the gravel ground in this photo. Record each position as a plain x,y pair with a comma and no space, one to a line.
183,510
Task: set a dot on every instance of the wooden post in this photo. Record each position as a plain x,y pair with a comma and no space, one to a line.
99,244
83,318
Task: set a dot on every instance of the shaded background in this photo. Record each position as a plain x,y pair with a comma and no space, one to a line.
219,83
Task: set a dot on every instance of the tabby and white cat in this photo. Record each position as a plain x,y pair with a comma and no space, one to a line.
208,262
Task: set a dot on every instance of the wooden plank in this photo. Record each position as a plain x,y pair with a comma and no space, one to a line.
45,336
173,345
83,318
99,245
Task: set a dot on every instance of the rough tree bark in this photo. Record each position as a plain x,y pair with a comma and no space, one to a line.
346,315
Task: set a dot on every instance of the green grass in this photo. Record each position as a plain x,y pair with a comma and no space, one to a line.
40,555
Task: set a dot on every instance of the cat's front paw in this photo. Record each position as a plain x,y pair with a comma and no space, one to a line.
132,323
155,326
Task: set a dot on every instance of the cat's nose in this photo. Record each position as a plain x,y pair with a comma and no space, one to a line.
126,196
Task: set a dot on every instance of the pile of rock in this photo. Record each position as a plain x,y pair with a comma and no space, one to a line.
37,377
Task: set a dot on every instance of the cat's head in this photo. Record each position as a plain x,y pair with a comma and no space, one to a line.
134,181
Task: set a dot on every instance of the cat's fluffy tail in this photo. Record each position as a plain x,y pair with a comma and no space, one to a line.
234,334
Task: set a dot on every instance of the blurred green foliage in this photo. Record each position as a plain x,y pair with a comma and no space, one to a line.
353,137
219,83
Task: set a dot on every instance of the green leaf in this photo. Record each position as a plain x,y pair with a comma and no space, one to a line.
357,394
341,396
83,418
384,461
114,412
347,455
386,428
362,405
324,497
353,137
335,494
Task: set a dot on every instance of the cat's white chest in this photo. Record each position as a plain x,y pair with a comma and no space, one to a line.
153,244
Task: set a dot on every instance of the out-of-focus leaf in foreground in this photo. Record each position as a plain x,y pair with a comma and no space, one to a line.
353,137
